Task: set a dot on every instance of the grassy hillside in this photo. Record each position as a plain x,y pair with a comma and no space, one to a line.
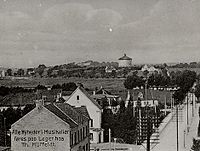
115,86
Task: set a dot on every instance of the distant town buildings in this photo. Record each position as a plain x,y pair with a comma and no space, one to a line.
53,127
125,61
86,63
150,69
110,69
2,73
80,97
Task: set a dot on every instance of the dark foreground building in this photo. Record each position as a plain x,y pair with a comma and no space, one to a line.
53,127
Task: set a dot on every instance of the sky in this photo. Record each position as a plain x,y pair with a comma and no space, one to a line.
52,32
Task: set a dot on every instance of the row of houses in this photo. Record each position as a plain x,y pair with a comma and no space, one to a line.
78,114
65,124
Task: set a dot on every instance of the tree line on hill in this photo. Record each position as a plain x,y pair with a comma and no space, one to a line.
95,70
70,86
186,65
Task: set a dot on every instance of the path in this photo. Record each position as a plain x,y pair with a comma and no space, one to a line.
168,137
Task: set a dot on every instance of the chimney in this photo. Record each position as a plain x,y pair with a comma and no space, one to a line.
39,103
128,96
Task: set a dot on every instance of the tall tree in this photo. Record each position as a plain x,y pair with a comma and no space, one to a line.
133,81
9,72
20,72
40,69
196,145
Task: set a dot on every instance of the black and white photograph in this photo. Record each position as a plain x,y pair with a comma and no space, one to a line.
99,75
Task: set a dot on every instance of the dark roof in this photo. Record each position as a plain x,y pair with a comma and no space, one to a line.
67,93
70,114
61,115
125,58
102,91
98,96
83,110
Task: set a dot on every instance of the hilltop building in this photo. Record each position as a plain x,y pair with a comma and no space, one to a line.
52,127
125,61
81,97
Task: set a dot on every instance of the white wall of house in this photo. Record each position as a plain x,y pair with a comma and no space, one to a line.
42,121
78,98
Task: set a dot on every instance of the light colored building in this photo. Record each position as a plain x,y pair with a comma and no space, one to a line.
150,69
54,127
2,73
109,69
144,103
81,97
125,61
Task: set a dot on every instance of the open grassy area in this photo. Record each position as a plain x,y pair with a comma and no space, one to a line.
88,83
115,86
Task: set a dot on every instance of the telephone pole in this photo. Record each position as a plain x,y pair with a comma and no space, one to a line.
148,132
187,113
177,126
5,131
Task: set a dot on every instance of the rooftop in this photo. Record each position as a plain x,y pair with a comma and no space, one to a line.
70,114
125,58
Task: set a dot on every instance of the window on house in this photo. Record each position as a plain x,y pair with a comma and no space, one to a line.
77,97
78,135
91,122
87,147
86,130
74,142
75,138
72,139
91,136
83,132
99,137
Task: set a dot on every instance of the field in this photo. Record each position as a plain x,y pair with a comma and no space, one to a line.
115,86
88,83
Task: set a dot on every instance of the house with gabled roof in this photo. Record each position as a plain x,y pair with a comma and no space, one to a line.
81,97
106,99
52,127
